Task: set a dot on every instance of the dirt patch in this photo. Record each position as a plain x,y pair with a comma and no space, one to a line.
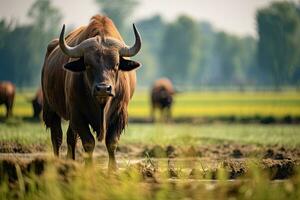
12,169
237,153
155,151
229,169
280,169
234,168
195,162
15,147
213,151
258,119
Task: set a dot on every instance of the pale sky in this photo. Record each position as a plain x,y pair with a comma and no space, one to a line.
234,16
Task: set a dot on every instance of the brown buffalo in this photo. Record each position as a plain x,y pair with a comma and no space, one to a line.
7,95
88,80
162,98
37,103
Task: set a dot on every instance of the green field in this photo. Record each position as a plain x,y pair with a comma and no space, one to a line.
203,104
164,134
29,171
150,178
225,104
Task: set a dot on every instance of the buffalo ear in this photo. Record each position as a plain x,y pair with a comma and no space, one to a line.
76,65
128,65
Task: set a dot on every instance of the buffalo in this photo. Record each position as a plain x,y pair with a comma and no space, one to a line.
88,80
7,96
162,98
37,102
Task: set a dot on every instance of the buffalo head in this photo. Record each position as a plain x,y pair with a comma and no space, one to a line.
101,58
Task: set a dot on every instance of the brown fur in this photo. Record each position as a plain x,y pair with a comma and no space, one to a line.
66,95
7,95
37,103
162,98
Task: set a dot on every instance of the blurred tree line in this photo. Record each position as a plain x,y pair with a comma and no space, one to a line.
191,53
22,47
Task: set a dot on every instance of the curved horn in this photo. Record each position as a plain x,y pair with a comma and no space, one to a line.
131,51
73,52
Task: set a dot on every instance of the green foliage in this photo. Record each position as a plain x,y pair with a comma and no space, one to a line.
117,10
152,31
194,54
178,55
22,48
191,54
15,55
232,59
279,44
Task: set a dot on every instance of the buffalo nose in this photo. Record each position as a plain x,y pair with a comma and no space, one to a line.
103,89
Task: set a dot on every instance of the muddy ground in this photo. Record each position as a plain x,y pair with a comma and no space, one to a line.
257,119
177,162
288,119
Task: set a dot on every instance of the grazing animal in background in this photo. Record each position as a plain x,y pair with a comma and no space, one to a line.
7,96
89,80
37,104
162,98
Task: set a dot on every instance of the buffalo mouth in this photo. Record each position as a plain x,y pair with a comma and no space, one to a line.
102,99
104,96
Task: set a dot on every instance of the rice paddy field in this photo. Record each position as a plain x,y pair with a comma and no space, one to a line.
197,159
225,104
203,104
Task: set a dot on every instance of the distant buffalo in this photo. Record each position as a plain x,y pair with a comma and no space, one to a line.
162,98
37,104
7,95
89,80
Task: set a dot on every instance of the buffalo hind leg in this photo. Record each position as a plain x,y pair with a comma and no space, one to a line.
168,114
71,141
9,107
56,134
152,112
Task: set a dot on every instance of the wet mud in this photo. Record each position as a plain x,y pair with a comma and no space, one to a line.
205,162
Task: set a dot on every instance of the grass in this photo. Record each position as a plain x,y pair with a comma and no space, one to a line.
199,104
185,134
91,182
165,134
212,104
24,133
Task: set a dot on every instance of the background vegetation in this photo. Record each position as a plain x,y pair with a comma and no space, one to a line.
230,104
191,53
195,57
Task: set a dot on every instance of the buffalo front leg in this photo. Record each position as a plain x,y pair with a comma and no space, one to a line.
56,134
88,142
111,142
71,141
